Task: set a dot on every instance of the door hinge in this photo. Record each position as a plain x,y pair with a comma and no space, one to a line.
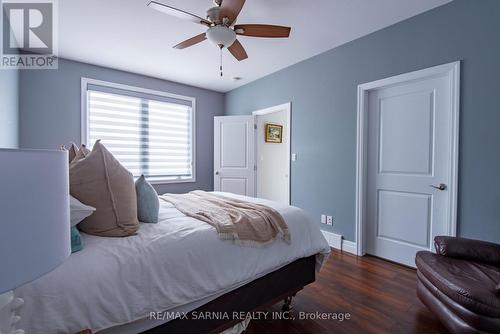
255,126
255,167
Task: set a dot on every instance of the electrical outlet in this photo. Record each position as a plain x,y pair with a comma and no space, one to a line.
323,219
329,220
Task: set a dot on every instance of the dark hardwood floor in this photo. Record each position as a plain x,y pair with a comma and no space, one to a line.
379,296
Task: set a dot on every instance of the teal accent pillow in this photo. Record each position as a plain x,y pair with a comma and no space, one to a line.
76,240
148,204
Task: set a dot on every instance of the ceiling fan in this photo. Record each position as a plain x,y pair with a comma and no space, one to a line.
222,30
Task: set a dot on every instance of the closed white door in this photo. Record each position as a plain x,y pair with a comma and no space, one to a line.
409,164
234,154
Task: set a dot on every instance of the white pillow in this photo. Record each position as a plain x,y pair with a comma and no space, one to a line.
79,211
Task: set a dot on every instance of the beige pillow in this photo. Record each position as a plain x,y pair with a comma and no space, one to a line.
99,180
72,151
81,153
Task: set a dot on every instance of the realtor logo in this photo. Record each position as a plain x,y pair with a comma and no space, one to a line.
29,34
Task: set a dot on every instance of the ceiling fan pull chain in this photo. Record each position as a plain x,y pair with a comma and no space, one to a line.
221,74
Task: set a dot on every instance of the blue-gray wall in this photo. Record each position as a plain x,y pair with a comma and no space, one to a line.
323,95
49,111
9,111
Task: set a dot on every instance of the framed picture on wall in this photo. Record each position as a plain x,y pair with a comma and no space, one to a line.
274,133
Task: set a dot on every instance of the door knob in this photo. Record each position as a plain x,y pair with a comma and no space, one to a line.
441,186
217,173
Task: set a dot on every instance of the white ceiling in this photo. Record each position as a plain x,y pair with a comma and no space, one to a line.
127,35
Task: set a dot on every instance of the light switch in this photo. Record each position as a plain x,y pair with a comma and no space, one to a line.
294,156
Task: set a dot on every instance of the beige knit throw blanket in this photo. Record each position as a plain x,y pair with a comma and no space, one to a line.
246,223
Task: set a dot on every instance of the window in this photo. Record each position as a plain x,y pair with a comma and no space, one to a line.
149,132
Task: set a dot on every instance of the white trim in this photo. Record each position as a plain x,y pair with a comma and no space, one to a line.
334,240
361,157
287,107
84,115
338,242
349,247
453,71
455,149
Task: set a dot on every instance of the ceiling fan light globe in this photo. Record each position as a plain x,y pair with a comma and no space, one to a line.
221,35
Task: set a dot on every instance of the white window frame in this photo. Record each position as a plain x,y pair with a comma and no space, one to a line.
85,118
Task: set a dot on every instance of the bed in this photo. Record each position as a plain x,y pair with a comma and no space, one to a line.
117,285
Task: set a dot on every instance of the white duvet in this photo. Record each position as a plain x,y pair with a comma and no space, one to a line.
176,262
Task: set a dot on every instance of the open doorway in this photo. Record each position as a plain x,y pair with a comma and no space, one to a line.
273,145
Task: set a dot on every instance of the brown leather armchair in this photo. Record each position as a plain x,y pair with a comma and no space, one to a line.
461,284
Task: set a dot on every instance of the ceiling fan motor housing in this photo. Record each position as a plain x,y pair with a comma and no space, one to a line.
221,36
213,15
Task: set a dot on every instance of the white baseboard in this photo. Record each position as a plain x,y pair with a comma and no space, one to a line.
336,241
349,247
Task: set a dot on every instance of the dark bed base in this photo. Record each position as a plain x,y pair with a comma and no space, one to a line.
279,285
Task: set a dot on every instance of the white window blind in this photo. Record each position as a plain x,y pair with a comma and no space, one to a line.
149,134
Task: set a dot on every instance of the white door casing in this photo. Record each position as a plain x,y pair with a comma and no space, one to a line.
407,143
234,154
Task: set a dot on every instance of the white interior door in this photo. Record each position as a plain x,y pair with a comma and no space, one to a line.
409,164
234,154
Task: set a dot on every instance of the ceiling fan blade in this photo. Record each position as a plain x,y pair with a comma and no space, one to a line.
262,30
231,9
179,13
238,51
192,41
